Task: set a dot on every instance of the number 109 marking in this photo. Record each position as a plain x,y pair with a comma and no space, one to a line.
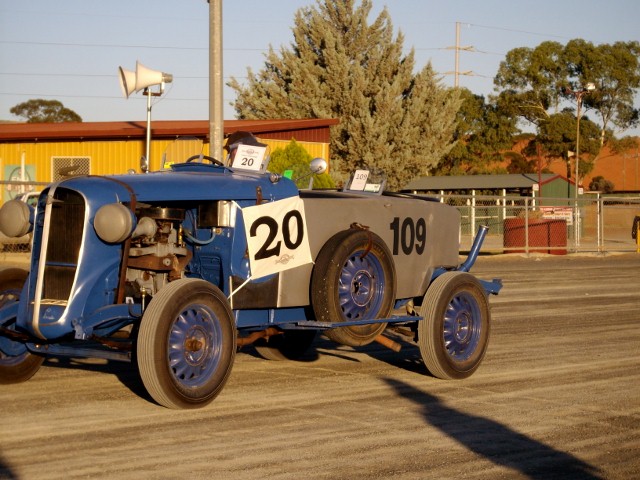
409,235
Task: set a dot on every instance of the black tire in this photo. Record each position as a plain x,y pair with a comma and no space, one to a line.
353,279
186,344
17,364
288,345
454,335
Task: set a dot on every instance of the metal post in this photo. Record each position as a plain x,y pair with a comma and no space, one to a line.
576,222
23,170
526,225
578,94
599,222
216,120
473,211
147,92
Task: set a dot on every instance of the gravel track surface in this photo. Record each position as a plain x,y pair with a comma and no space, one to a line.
558,396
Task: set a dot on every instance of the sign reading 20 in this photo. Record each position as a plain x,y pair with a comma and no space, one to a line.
408,235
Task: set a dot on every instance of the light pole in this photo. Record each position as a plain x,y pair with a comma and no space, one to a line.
579,94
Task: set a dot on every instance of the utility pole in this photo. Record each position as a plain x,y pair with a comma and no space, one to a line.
457,69
457,48
216,119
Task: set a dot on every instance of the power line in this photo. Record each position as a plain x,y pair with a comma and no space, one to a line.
47,14
514,30
107,75
109,97
104,45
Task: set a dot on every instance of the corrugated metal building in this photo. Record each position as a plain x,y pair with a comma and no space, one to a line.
46,152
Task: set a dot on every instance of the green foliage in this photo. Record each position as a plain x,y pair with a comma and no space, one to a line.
529,81
482,132
557,137
341,66
45,111
601,184
615,71
295,158
532,83
621,145
520,164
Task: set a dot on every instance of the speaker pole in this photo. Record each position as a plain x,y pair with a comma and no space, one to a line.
145,167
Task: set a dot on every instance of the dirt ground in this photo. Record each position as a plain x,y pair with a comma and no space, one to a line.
558,396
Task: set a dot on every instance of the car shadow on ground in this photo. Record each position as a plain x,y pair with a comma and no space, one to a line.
321,346
408,358
126,373
6,473
494,441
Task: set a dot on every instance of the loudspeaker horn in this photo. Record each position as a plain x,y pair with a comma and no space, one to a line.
145,77
127,81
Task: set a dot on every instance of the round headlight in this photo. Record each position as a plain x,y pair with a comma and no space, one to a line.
15,218
114,223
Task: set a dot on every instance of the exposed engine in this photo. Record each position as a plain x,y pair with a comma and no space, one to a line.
157,254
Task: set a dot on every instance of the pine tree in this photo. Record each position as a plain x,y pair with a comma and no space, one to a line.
340,66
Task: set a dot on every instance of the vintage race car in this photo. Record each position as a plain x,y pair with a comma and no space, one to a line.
175,270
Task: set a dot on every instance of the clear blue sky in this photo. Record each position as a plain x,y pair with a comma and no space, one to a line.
70,50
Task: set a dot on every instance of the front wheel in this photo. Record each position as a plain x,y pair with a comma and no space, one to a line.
454,334
186,344
17,364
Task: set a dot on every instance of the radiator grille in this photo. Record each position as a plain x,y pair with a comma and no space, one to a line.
65,240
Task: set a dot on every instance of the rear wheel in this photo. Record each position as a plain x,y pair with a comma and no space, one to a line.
454,334
17,364
186,344
353,279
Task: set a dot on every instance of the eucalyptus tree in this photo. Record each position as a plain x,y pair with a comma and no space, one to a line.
483,134
44,111
534,83
545,87
615,72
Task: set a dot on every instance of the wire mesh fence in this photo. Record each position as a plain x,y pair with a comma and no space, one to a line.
591,223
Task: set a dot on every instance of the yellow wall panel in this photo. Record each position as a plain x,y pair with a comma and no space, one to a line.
116,157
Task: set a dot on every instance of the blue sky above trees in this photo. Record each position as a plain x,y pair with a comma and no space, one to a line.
70,50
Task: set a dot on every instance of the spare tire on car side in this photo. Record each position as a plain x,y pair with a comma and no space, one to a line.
353,279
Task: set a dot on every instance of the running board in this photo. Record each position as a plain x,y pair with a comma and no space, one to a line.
325,325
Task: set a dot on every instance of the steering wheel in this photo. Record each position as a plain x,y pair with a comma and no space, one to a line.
205,157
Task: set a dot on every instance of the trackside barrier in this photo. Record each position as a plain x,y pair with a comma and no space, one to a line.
593,223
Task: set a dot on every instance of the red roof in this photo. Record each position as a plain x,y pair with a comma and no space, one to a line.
47,132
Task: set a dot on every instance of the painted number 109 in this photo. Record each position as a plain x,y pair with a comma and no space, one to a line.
409,234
